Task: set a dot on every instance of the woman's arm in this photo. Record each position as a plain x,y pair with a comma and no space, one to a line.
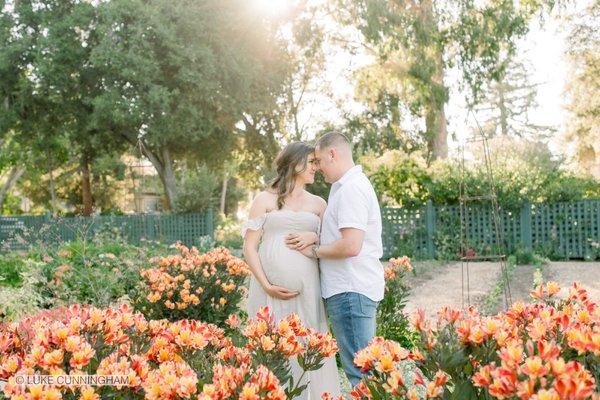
251,242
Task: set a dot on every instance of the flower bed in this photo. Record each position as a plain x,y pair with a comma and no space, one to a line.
160,359
208,287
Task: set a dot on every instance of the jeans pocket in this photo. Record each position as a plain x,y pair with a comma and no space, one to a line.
368,307
337,304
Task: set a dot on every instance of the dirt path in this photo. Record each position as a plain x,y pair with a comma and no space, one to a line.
567,272
436,286
445,287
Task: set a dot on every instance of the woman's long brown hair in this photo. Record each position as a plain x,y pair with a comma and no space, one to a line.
286,162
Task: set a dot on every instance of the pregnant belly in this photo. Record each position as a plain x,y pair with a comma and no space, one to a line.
288,268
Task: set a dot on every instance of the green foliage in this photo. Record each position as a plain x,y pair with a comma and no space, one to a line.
93,274
525,256
11,266
415,44
196,189
320,187
399,176
392,322
102,271
85,82
228,233
180,76
494,296
522,170
26,298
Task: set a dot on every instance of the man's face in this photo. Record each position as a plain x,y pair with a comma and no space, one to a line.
324,161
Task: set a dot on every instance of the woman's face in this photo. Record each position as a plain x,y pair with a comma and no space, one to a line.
308,175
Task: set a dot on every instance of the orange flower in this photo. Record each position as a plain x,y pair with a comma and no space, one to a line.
482,378
538,293
553,288
267,343
534,367
418,319
82,357
544,394
233,321
512,354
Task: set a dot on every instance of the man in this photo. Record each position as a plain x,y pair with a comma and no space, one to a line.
352,281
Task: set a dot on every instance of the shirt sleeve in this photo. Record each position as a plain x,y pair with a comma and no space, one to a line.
353,209
253,224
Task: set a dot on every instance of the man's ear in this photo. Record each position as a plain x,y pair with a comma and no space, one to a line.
333,153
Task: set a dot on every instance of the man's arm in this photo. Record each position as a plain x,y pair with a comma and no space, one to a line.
349,245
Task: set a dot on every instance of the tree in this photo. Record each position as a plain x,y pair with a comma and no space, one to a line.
179,76
380,126
584,88
307,61
414,42
52,91
509,101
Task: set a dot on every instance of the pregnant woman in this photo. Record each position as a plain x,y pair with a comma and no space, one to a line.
282,278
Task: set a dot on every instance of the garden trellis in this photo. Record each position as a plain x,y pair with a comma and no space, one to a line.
20,232
567,230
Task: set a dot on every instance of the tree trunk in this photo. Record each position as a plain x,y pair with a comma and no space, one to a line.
503,110
169,181
53,199
13,177
435,115
164,167
223,194
439,129
437,135
86,187
440,141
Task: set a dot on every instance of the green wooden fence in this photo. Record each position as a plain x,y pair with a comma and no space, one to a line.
563,230
18,232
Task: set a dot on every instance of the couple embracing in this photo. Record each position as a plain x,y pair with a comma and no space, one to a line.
316,259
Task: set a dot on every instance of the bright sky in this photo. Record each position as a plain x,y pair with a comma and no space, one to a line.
544,47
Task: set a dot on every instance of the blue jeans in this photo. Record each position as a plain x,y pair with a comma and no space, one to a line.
352,317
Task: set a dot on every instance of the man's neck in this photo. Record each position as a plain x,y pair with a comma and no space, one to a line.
345,169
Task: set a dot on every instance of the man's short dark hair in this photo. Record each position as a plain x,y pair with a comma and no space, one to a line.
332,139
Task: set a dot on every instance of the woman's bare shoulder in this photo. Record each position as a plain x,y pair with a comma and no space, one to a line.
317,201
263,202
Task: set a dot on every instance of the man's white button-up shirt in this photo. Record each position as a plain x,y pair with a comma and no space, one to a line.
353,204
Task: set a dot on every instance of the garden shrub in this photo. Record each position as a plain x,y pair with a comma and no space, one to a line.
227,233
196,189
100,272
11,265
26,297
392,323
523,171
208,286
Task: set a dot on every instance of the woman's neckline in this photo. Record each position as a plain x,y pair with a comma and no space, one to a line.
294,211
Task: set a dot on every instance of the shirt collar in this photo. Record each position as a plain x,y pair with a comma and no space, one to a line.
357,169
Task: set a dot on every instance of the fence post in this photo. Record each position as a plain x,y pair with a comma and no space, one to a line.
430,222
209,223
526,238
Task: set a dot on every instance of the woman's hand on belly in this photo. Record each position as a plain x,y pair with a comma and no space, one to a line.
280,292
